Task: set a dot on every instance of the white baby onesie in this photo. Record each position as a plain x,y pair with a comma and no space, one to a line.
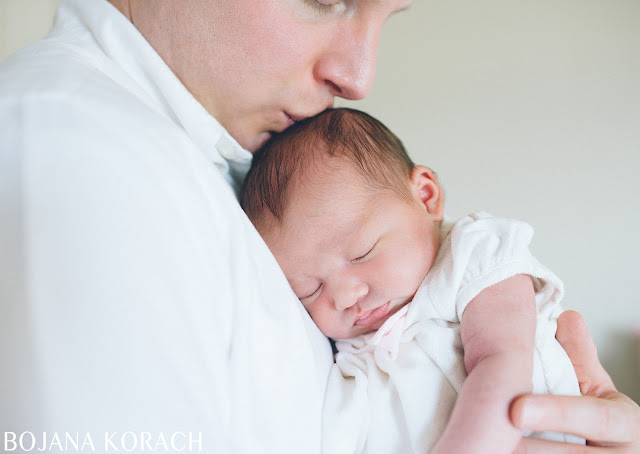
392,391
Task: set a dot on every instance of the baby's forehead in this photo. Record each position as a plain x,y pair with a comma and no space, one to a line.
316,224
329,190
317,211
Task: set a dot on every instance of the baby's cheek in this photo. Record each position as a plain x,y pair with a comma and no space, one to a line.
410,269
325,319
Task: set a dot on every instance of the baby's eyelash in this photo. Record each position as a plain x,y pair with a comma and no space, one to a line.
362,257
311,294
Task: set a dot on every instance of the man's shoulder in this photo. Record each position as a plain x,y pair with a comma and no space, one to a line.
63,78
66,107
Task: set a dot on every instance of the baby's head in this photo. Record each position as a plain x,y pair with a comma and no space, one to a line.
350,219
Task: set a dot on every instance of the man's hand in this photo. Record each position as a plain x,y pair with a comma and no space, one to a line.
608,419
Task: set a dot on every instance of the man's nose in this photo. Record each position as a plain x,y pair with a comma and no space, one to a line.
348,293
349,64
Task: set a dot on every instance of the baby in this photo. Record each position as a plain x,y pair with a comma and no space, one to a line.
438,325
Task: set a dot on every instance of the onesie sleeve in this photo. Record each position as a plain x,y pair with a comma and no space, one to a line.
485,250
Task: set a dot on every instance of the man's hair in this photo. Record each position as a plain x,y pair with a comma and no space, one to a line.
310,145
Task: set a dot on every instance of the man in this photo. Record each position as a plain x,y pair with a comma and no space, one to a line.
140,307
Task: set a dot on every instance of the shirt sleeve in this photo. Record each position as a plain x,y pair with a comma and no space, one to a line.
485,250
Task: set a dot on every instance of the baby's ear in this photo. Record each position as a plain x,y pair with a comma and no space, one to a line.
427,191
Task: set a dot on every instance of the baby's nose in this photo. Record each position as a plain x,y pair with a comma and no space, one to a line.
350,294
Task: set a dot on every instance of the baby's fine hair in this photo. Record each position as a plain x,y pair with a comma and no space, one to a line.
374,151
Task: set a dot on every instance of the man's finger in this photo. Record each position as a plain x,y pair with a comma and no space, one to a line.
596,419
574,337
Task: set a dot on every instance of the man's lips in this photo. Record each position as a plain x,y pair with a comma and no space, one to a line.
294,118
374,315
289,120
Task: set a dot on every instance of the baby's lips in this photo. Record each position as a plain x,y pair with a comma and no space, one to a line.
373,315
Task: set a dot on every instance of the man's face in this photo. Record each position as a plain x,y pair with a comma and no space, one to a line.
354,256
259,65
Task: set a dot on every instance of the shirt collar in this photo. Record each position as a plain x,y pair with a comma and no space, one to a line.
123,43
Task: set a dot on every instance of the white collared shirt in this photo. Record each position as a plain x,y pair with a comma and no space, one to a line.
135,294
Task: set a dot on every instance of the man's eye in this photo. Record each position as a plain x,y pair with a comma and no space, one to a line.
327,2
324,4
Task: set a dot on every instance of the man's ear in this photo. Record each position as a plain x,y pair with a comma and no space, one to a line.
427,191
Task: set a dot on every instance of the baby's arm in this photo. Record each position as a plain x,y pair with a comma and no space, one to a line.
498,331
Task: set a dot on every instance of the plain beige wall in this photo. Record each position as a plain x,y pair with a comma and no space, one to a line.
525,109
23,21
531,110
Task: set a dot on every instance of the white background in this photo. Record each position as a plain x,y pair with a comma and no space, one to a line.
528,110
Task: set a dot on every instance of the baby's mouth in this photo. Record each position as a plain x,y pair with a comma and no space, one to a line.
372,316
